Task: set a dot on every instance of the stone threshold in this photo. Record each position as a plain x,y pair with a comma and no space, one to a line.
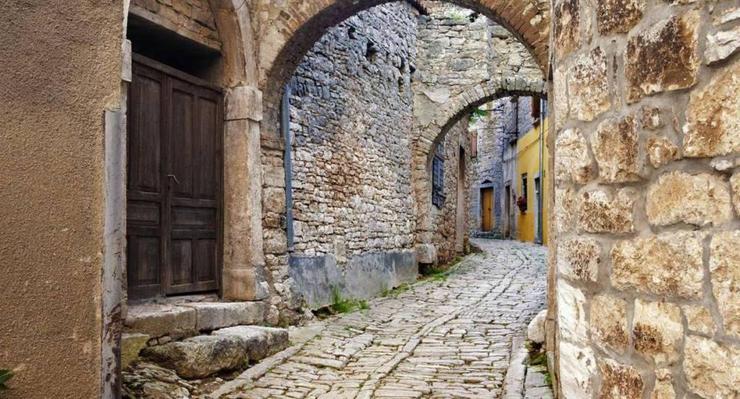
187,316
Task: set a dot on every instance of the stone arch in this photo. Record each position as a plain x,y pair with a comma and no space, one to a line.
300,24
434,133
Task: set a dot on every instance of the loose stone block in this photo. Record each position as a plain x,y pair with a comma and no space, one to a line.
200,356
657,330
577,367
579,258
588,86
608,323
572,160
618,16
260,342
699,319
713,116
601,212
663,57
674,259
616,149
567,31
679,197
724,266
661,151
572,313
620,381
663,385
712,370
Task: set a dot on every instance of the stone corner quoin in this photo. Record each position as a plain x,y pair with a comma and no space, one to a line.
647,119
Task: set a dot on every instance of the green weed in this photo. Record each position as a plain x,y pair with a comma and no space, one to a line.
5,376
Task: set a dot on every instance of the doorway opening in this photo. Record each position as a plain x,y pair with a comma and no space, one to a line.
487,222
174,166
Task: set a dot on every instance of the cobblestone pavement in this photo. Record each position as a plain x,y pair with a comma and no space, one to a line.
447,338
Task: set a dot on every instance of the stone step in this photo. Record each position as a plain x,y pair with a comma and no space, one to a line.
261,341
225,350
200,356
189,318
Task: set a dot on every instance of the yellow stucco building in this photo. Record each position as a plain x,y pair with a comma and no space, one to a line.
532,169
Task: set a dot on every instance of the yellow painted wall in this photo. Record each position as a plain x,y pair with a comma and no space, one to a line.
528,161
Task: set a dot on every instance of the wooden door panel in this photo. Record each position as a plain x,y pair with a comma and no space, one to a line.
174,183
181,141
144,137
487,209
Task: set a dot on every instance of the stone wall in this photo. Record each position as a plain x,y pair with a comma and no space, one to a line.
350,126
446,221
646,167
502,122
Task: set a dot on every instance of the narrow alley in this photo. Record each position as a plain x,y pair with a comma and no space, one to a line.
445,337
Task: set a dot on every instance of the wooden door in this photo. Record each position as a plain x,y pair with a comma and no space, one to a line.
174,183
487,208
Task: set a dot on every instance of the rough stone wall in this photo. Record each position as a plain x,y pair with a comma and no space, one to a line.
445,218
459,50
190,18
351,113
60,71
646,202
496,159
351,110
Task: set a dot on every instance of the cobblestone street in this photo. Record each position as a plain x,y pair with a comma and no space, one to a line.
441,338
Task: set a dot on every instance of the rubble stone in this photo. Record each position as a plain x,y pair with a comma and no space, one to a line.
657,330
601,212
200,356
577,368
661,151
680,197
260,342
713,116
620,381
608,323
578,259
721,45
571,313
651,118
675,261
617,151
572,161
618,16
131,345
699,319
712,370
588,86
724,266
566,206
567,18
663,57
663,385
536,328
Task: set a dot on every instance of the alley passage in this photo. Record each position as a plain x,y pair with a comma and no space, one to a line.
445,338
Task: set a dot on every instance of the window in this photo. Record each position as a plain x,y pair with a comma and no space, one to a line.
524,197
438,177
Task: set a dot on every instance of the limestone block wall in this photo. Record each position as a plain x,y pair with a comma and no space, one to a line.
350,126
647,198
446,218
